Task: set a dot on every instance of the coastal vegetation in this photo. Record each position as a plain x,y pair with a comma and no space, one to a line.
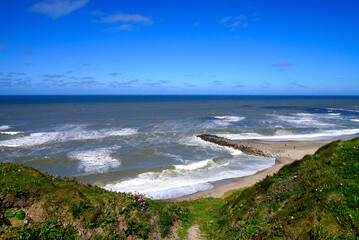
316,197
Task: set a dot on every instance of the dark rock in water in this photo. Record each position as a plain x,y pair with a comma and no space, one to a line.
244,147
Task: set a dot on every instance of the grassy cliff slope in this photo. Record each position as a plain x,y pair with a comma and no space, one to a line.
313,198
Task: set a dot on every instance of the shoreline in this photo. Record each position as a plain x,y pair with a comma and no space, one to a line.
286,152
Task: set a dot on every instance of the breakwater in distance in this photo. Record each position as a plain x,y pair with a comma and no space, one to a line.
245,147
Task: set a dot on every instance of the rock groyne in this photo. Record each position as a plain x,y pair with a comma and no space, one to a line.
245,147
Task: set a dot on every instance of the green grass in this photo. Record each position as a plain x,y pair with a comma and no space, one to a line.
89,209
313,198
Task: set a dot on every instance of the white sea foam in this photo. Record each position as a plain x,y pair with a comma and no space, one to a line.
190,178
233,151
11,133
71,134
354,120
198,142
195,165
343,110
306,119
329,134
226,120
230,118
5,127
96,161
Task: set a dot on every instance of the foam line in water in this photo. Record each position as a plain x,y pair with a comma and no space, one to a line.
230,118
310,136
96,161
306,119
63,136
224,120
193,166
5,127
198,142
11,133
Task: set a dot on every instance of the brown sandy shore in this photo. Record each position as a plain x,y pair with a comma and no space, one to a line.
286,152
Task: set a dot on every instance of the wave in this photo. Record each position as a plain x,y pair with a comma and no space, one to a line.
187,179
354,120
329,134
198,142
97,160
5,127
306,119
225,120
63,136
229,118
11,133
196,165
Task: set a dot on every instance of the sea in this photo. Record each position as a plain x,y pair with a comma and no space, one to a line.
149,144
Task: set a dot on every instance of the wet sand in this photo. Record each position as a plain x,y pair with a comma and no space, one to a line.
286,152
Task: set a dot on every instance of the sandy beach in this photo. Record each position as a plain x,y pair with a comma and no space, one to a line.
286,152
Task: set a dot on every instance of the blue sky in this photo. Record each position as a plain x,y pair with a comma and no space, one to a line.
179,47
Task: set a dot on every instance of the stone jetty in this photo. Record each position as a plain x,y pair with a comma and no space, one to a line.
245,147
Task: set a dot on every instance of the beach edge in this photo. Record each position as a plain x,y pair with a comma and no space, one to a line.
285,152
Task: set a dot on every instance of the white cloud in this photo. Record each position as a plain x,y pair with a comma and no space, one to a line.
296,85
226,19
122,17
123,27
234,22
57,8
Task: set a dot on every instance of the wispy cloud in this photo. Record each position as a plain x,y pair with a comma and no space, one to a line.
57,8
15,79
85,64
282,64
126,84
296,85
61,83
26,49
188,85
16,74
234,22
114,74
239,85
128,21
123,27
225,19
156,83
266,85
123,17
49,75
217,82
87,78
28,64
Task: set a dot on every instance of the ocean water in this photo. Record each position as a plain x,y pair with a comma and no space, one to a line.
149,143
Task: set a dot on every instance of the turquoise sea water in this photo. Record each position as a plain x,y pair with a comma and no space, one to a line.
149,143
